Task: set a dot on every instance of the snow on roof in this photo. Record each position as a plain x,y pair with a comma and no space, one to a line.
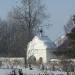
54,60
45,40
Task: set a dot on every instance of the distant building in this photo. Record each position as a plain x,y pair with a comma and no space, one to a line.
70,25
62,41
41,47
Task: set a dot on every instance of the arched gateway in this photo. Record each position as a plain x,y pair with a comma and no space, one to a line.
41,46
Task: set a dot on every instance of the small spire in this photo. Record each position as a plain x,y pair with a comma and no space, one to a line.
41,32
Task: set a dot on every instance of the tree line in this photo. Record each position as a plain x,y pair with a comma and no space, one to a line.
22,24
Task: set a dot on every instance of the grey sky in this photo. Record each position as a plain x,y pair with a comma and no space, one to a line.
59,10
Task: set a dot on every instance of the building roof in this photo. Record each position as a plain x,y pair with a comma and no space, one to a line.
47,41
42,42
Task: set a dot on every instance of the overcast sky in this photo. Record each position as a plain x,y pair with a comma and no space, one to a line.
59,10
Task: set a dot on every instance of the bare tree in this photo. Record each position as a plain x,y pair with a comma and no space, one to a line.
3,38
29,15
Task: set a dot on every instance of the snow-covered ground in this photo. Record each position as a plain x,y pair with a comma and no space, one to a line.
5,71
33,72
25,72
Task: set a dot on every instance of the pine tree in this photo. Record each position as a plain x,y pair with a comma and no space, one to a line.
71,46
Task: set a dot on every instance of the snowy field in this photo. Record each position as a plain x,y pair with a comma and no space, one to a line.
25,72
4,71
33,72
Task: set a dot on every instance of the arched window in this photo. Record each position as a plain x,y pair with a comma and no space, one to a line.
32,59
40,60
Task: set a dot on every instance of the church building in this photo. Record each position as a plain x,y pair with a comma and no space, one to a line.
41,47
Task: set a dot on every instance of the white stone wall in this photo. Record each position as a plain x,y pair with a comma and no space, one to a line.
37,48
